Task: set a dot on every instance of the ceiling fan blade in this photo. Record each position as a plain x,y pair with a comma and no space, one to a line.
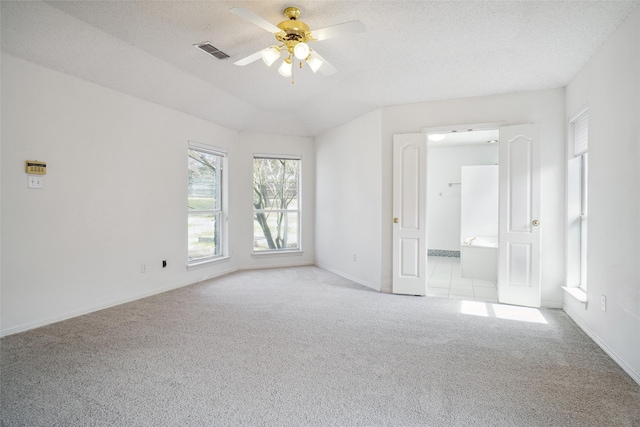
256,19
326,68
339,30
249,59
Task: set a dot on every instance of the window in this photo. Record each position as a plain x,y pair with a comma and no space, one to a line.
276,203
577,208
206,201
584,172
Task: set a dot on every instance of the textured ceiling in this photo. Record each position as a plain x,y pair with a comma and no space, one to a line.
412,51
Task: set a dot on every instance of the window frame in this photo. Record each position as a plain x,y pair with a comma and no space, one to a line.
577,200
283,251
584,202
222,211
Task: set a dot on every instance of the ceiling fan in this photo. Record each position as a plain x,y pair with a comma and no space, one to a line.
293,37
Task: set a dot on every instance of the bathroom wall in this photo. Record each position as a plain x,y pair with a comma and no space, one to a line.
479,201
443,201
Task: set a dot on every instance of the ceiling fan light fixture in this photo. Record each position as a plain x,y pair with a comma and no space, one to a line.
301,50
294,37
270,54
314,62
285,68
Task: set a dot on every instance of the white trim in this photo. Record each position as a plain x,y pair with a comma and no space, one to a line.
224,202
277,156
113,303
207,263
276,253
580,112
464,127
550,304
208,148
625,367
579,294
348,276
298,210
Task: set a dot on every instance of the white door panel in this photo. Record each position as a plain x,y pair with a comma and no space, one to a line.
519,225
409,211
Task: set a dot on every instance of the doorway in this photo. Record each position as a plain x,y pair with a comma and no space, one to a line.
518,248
462,215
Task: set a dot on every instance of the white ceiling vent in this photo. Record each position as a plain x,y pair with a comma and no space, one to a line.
211,50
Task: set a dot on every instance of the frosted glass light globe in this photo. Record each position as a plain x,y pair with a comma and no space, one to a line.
285,69
301,51
270,54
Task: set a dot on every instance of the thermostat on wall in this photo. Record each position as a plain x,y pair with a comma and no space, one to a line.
35,167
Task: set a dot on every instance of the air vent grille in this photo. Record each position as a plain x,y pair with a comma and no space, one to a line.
211,50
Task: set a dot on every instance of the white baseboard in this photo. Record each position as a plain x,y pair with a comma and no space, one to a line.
551,304
628,369
98,307
348,276
113,303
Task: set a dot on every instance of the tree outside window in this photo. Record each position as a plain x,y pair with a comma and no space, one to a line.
205,205
276,202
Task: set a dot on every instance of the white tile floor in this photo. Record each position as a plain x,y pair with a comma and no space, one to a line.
445,280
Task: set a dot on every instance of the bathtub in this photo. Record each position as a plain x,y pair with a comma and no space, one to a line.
479,257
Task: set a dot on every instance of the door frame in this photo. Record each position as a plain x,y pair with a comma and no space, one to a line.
467,128
464,127
396,287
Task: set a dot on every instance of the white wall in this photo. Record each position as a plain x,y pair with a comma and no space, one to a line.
348,200
609,85
443,211
543,107
114,196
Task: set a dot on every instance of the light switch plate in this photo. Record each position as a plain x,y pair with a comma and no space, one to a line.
35,181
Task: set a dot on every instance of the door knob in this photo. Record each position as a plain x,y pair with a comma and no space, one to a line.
535,223
396,220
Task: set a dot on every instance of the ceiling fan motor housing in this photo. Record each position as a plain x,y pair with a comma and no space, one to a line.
293,30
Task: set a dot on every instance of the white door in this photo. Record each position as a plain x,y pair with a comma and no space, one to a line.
410,214
519,224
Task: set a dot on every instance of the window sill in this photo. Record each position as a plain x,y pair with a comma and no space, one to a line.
207,263
267,254
577,293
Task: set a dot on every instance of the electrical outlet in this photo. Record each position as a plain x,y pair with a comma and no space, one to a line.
603,303
143,268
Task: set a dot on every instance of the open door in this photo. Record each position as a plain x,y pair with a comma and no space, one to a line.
410,214
519,224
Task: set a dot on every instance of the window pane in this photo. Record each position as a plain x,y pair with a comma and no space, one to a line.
275,183
205,171
204,235
275,230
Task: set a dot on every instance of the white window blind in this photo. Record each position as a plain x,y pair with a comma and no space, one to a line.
580,134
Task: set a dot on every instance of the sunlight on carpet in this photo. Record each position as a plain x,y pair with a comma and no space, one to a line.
500,311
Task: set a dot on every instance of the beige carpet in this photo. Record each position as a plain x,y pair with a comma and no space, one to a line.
301,346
